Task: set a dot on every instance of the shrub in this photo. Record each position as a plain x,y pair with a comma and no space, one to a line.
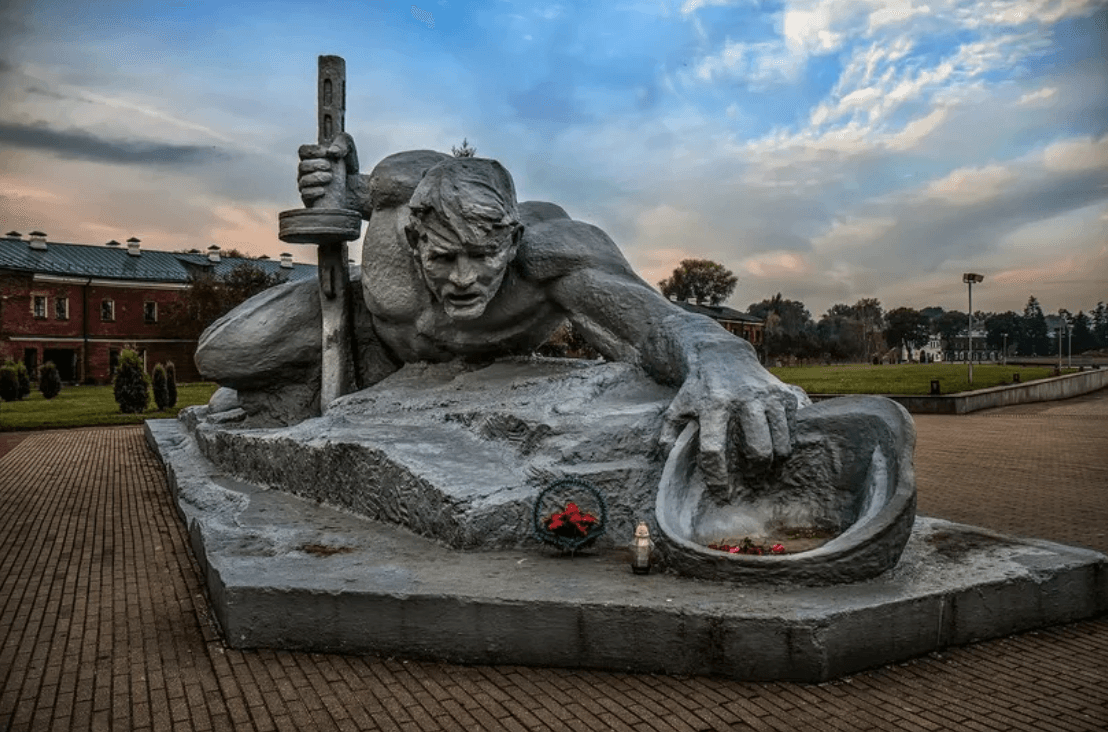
132,386
9,382
171,382
49,380
161,391
24,379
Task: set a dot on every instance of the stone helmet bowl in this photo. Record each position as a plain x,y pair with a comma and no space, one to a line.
850,478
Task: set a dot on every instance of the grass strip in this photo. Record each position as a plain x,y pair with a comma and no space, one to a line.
905,378
89,406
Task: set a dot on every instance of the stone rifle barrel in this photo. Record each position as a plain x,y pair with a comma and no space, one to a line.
326,223
329,226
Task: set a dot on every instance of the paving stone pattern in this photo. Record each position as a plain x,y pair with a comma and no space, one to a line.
105,626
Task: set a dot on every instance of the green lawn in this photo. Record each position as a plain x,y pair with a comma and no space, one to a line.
904,378
85,406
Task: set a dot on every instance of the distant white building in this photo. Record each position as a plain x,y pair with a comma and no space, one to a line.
933,349
957,348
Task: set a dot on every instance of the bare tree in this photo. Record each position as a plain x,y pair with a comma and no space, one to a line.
209,296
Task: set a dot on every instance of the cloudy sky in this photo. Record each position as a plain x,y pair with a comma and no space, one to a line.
825,149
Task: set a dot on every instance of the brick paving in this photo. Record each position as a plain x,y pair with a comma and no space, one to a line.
104,624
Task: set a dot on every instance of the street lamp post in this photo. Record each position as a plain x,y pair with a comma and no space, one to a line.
1061,326
1069,346
1005,356
969,278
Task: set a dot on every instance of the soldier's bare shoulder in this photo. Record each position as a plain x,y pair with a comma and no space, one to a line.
555,245
393,180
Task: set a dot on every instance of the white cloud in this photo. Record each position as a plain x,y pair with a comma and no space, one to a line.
859,97
808,31
893,12
852,233
776,264
968,186
691,6
1076,155
1036,97
1019,12
916,130
759,64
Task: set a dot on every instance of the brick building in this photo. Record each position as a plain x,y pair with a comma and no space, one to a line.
80,305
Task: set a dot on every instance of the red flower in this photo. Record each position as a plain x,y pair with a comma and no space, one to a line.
572,519
778,549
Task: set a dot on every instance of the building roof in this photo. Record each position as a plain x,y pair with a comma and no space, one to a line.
719,312
115,263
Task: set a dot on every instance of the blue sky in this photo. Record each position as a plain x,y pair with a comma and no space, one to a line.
827,149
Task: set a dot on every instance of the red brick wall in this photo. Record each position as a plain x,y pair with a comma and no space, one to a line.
128,328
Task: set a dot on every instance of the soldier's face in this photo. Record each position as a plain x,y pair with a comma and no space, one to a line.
465,277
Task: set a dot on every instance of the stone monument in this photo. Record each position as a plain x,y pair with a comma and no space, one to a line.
407,394
457,274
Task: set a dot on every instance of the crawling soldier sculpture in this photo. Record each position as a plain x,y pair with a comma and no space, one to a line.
453,267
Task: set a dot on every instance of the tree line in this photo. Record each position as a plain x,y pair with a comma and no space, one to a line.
865,330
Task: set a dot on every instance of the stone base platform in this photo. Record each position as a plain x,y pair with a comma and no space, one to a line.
287,573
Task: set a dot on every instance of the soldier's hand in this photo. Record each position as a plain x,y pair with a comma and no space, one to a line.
318,164
751,406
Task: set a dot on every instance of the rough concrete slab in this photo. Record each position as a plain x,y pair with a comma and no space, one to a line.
459,452
283,572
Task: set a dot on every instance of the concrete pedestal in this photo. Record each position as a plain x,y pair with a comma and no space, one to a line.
283,572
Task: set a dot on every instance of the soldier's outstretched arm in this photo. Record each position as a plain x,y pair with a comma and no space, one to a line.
722,385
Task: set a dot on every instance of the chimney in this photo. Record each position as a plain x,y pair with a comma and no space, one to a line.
286,260
213,253
133,247
14,235
112,243
38,241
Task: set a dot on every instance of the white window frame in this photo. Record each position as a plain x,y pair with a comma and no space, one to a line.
148,304
39,306
61,308
111,310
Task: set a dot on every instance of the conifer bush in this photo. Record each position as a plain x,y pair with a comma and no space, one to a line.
171,382
9,382
132,385
161,390
24,379
49,380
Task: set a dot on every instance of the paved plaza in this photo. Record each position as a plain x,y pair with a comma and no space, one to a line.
104,624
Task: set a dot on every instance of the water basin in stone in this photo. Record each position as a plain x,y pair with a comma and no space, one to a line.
843,503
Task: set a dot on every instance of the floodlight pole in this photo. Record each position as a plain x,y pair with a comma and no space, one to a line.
1005,355
969,278
1061,325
